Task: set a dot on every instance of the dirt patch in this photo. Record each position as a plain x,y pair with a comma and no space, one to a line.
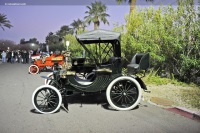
169,92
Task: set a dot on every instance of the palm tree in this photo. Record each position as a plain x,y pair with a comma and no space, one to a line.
132,3
4,22
77,25
96,13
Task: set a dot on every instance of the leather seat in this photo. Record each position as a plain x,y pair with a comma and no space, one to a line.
140,61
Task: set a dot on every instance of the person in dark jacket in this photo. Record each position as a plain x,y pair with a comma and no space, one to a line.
19,56
24,56
12,57
27,57
16,56
9,56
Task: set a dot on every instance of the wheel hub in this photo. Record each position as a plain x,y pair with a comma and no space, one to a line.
124,93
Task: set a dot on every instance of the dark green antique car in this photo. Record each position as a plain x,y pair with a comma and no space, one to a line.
99,71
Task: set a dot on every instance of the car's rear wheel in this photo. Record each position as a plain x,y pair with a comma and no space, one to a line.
46,99
123,93
33,69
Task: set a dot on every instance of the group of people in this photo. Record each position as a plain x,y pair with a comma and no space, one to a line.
22,56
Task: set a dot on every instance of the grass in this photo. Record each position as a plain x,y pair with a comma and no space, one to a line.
185,95
192,97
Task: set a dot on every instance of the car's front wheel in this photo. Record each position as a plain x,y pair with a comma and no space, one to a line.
46,99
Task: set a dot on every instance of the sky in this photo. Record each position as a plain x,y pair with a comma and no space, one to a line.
36,18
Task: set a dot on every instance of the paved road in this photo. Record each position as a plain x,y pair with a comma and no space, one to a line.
17,114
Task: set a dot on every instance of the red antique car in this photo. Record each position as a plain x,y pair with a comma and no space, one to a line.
46,63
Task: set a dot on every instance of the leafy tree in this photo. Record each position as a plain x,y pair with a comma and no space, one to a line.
170,35
4,22
55,47
64,30
22,41
52,38
7,43
96,13
74,47
34,40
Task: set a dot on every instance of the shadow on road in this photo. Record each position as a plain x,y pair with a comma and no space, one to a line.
99,99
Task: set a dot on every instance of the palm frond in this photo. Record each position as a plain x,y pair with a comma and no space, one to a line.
4,22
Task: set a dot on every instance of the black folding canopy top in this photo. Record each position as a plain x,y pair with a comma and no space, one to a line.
101,36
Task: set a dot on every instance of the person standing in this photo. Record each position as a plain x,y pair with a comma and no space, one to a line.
16,56
3,54
27,57
24,57
12,57
9,56
19,56
22,54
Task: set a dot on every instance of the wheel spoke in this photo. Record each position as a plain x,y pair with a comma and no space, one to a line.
126,100
119,99
119,86
53,98
40,100
40,97
132,91
128,87
41,103
42,93
133,99
116,93
116,97
50,104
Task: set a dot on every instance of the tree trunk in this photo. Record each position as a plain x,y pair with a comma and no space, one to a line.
96,25
132,6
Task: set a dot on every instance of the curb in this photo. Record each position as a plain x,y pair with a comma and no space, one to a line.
181,111
195,115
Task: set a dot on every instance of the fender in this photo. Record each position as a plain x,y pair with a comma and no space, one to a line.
57,85
45,77
143,86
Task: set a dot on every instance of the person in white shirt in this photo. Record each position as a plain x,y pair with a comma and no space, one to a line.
3,54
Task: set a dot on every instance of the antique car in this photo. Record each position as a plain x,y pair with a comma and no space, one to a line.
100,71
46,63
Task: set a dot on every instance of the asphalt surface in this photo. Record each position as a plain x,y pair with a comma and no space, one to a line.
17,114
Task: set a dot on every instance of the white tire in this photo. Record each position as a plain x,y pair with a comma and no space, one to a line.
123,93
51,98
